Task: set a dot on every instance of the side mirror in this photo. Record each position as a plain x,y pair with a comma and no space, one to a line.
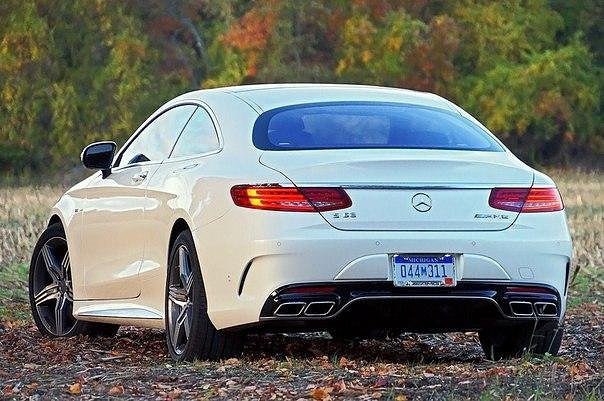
99,156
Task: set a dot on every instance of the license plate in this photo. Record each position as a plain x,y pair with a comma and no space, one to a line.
423,271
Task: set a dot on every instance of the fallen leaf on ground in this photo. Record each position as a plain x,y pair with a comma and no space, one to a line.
75,388
339,386
174,394
321,393
381,382
7,390
579,370
498,371
116,390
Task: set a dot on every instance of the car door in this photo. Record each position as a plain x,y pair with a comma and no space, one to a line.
114,229
180,188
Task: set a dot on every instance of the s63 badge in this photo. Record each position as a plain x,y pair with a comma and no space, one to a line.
345,215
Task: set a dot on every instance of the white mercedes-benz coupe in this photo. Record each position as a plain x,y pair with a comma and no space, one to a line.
362,211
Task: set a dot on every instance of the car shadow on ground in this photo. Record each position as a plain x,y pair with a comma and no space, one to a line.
405,349
412,349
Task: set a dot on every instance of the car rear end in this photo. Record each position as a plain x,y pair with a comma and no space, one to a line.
393,216
519,259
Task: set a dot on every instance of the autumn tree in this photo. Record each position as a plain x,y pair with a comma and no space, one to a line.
78,71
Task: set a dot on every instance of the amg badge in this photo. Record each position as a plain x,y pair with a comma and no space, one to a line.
491,216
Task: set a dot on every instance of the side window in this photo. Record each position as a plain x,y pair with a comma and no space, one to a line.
155,141
199,136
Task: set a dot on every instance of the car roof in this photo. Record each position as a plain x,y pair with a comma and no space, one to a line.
269,96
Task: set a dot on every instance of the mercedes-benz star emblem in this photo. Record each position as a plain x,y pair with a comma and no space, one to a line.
421,202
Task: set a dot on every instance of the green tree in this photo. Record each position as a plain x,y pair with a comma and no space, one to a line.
26,56
71,73
540,97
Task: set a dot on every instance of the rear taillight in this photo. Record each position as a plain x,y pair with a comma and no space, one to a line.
290,199
510,199
526,200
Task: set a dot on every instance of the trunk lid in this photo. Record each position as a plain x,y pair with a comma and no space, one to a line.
408,190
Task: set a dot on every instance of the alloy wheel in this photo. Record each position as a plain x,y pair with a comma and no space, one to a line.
52,287
180,300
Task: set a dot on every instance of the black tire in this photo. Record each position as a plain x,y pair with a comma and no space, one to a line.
513,342
186,301
547,339
50,289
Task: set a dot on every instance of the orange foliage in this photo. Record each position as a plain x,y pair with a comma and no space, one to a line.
432,59
415,7
335,21
163,25
251,34
252,31
552,103
378,9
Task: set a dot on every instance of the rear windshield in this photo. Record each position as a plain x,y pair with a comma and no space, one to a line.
356,125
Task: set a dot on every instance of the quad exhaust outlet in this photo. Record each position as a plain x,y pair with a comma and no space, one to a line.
526,308
289,309
311,309
321,308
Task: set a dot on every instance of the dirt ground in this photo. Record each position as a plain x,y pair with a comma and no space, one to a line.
135,365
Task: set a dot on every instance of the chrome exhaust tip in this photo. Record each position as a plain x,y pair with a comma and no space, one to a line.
289,309
546,309
319,308
521,308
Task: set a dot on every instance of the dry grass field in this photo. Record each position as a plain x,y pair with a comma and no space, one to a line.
135,364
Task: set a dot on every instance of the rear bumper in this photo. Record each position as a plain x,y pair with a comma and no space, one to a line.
275,250
361,305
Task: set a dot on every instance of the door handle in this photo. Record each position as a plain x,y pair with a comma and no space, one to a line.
190,166
140,177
